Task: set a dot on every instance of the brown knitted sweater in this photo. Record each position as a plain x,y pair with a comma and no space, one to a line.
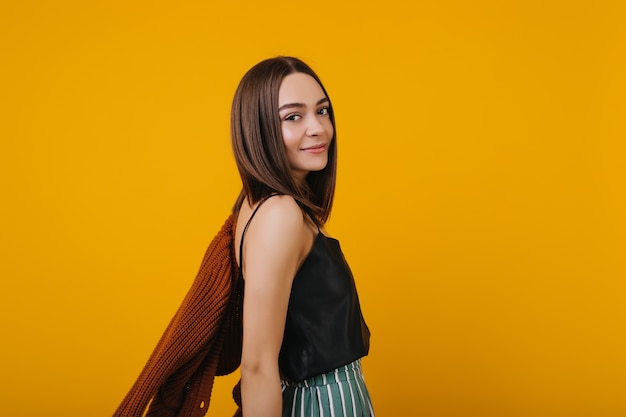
202,340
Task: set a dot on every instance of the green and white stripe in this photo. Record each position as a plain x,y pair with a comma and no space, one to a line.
339,393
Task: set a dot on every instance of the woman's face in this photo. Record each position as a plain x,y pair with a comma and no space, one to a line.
305,123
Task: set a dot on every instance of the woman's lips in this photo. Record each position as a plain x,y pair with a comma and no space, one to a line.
315,148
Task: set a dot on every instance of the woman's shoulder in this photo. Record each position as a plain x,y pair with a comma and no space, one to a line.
282,203
279,227
280,213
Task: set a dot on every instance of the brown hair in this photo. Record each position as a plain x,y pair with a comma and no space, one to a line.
258,143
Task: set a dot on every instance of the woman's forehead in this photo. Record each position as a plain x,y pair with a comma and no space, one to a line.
299,88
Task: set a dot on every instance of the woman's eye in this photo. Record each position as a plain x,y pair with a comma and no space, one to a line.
292,117
324,111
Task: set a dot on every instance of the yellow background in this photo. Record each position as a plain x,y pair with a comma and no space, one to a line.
480,201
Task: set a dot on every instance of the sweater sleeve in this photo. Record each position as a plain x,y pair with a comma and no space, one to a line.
185,358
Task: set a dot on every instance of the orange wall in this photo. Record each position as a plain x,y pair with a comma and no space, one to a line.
481,196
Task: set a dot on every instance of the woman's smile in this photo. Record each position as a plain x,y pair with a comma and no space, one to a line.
315,148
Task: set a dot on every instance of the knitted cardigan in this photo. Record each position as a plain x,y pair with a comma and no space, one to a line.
202,340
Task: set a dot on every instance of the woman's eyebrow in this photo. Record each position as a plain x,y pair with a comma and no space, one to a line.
291,105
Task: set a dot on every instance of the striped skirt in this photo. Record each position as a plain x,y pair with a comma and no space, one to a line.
339,393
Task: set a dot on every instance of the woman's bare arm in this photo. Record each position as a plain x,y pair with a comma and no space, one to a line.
274,247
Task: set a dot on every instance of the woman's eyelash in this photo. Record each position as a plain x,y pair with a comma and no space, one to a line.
292,117
324,111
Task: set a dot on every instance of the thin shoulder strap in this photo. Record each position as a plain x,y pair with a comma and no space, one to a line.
243,234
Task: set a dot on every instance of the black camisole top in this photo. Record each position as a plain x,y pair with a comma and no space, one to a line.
324,328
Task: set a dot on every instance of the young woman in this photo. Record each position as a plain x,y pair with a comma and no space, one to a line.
303,331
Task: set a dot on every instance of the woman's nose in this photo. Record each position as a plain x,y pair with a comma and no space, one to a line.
314,126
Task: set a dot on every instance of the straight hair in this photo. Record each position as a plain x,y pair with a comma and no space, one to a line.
259,148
